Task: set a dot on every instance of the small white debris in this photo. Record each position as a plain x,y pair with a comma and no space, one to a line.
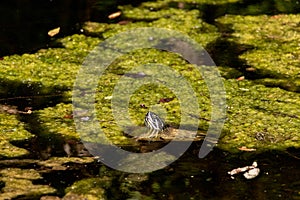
108,97
84,119
250,171
254,164
244,89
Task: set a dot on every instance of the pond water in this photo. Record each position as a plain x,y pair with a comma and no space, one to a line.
189,177
25,25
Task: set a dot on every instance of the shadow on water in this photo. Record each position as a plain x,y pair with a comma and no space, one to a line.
226,52
25,24
190,177
31,94
245,7
193,178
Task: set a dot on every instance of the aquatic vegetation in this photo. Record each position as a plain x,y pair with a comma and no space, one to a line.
259,63
272,47
212,2
92,188
187,22
56,122
260,117
103,186
45,72
12,130
18,182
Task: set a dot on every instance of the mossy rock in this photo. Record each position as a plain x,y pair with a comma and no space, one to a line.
18,183
12,130
272,49
260,118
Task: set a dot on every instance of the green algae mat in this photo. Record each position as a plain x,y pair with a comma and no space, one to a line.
12,130
270,52
257,56
258,117
273,43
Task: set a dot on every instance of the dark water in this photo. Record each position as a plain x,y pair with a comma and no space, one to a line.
208,179
25,23
192,178
187,178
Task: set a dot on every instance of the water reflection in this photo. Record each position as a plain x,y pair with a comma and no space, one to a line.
194,178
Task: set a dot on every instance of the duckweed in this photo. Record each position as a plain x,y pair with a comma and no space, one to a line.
261,113
18,182
12,130
261,118
56,122
187,22
92,188
271,50
273,46
50,71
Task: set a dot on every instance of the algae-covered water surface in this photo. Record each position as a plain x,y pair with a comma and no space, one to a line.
255,49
